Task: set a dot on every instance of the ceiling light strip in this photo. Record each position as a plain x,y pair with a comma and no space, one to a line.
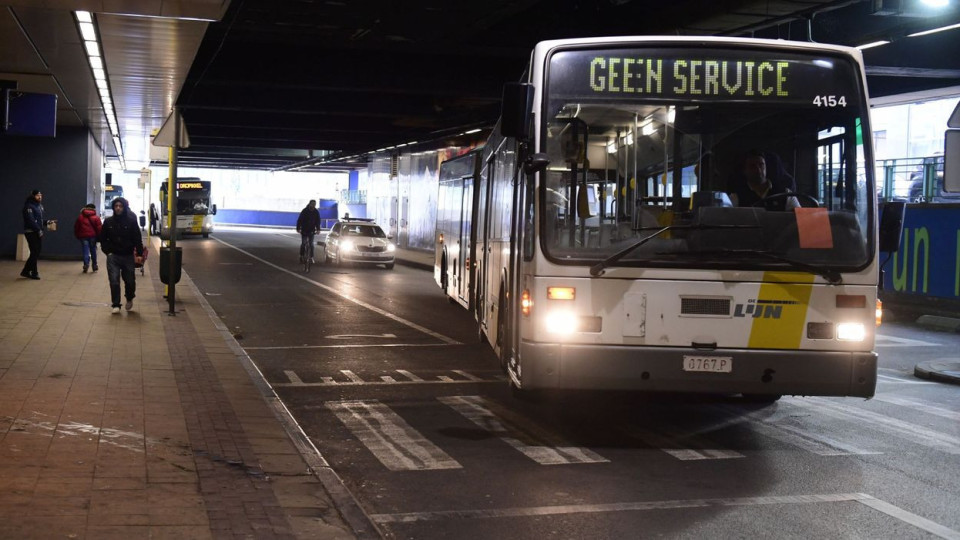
88,33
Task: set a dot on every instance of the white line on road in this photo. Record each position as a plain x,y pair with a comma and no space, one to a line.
347,297
466,375
898,380
535,444
891,341
354,346
536,511
921,406
398,446
680,446
409,375
351,375
884,423
292,375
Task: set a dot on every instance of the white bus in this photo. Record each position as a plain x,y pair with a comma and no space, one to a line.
195,210
674,214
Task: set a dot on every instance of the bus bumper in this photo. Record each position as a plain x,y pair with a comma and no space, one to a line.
660,369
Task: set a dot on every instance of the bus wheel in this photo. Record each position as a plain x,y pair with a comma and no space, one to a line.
761,398
206,235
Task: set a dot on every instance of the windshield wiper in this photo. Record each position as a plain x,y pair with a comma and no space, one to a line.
598,269
832,276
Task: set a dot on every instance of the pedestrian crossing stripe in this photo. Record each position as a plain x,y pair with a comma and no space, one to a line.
458,376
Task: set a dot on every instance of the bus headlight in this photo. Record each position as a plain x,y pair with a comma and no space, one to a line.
851,332
347,245
560,322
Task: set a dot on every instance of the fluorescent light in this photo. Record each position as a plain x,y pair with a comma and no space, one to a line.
88,32
101,83
671,115
935,3
935,30
99,74
96,62
92,48
873,44
116,142
84,16
472,131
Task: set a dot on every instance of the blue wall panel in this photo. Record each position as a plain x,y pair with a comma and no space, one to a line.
928,263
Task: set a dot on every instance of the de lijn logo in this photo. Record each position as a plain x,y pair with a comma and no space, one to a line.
762,309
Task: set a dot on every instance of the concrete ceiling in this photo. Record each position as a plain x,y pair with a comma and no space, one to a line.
279,84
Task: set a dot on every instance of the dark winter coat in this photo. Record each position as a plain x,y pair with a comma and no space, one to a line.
33,220
120,234
88,224
309,220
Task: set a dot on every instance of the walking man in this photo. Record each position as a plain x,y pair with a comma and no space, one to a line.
120,239
87,229
33,227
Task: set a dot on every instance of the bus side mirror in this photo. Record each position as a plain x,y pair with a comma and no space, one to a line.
213,210
891,226
951,161
515,110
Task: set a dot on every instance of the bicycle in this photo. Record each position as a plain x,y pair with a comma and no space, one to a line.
306,251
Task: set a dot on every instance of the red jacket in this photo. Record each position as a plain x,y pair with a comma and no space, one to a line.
88,224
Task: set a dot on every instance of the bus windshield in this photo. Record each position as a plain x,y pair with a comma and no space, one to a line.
747,157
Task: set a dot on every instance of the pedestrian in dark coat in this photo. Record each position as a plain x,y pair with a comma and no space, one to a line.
87,229
120,239
34,224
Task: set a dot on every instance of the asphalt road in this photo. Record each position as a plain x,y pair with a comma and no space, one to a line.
388,380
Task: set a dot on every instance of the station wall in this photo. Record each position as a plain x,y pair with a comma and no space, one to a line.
67,169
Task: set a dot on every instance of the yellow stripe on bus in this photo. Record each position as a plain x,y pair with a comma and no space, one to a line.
783,299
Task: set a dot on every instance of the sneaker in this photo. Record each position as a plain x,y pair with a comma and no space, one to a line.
129,305
95,268
25,274
85,269
115,310
34,275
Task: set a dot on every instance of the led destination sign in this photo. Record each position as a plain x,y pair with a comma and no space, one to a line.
190,185
701,75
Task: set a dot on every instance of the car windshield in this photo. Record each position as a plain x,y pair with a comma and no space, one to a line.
350,229
737,177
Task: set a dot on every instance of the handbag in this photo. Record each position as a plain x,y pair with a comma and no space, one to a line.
140,258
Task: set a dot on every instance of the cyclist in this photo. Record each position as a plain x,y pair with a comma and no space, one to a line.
308,224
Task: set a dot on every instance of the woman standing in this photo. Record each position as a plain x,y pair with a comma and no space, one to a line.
33,227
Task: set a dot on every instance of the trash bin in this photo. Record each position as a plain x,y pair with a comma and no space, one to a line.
165,265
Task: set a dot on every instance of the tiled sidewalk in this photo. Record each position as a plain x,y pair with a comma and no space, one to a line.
139,425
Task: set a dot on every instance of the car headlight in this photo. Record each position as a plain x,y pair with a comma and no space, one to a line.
347,245
391,248
560,322
851,332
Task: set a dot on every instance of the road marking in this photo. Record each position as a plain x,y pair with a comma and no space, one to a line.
532,442
880,422
350,346
351,336
891,341
536,511
898,380
921,406
351,375
347,297
913,519
794,436
389,438
409,375
467,375
680,445
355,380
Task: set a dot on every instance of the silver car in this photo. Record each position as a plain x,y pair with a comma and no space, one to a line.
358,241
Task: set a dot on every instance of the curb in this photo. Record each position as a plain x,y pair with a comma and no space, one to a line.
947,371
940,323
414,264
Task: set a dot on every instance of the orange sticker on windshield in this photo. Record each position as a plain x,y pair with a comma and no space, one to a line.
813,226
